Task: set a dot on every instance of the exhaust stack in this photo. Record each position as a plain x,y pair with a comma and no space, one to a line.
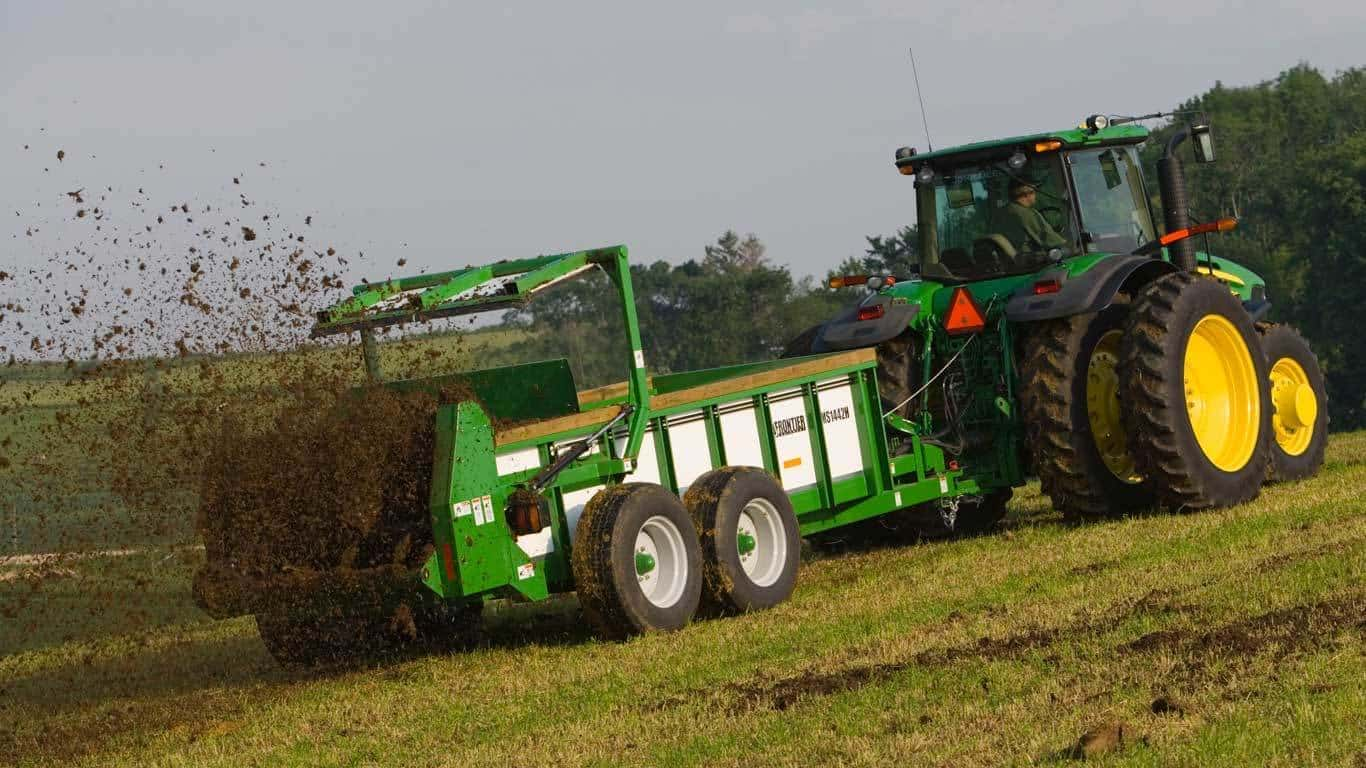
1171,180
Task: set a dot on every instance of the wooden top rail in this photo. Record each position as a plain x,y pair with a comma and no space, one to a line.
799,369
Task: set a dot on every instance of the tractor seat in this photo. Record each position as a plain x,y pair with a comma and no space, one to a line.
993,253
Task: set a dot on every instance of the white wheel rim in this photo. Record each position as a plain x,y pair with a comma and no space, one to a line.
760,521
661,540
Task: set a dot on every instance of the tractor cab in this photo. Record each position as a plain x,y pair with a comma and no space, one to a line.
1018,205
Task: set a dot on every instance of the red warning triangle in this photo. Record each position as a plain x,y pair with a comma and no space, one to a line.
964,316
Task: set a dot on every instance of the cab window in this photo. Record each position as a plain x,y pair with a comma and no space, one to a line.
1110,199
966,229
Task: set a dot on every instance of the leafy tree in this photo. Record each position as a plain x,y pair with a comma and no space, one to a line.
731,306
732,253
1290,157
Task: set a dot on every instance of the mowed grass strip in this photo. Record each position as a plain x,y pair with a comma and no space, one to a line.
1247,623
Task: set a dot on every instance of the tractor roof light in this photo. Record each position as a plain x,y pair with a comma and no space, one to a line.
1097,123
1017,160
1049,145
905,153
924,174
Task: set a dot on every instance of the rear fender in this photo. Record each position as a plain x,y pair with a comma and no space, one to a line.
846,331
1090,291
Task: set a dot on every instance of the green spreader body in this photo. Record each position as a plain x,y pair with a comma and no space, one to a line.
815,423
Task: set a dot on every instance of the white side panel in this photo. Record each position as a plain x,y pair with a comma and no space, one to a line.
688,446
518,461
537,544
790,431
740,437
840,428
573,508
647,461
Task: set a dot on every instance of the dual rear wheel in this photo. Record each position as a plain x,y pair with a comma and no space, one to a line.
1172,398
645,561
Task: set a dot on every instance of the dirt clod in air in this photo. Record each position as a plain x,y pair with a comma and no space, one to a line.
248,234
61,155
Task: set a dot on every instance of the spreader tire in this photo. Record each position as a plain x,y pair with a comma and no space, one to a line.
1195,388
1073,416
1299,417
751,544
637,563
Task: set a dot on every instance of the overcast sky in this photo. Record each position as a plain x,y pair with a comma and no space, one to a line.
451,133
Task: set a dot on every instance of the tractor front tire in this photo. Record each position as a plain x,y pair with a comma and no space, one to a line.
1196,394
637,562
1073,416
751,544
1299,401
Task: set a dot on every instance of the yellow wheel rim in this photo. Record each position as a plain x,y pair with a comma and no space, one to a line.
1102,409
1296,406
1222,397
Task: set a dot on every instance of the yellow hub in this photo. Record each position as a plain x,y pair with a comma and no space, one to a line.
1102,409
1222,397
1296,406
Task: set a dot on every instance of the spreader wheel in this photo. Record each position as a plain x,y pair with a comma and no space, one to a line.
1072,410
637,563
1195,387
1299,403
750,541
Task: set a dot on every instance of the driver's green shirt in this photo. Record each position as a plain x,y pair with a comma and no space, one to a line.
1027,229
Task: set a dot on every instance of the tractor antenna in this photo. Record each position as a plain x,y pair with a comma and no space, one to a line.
923,119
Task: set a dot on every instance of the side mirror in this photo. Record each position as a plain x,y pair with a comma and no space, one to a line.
1203,141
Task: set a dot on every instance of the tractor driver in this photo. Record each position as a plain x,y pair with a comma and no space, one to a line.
1025,227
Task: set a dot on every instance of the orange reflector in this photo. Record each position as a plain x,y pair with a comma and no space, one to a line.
1221,225
1047,286
844,281
964,316
871,312
906,170
790,463
1047,146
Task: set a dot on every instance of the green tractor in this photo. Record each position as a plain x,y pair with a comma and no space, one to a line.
1053,329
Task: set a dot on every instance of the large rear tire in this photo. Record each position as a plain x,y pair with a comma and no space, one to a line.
637,563
1196,394
1299,401
1073,416
751,545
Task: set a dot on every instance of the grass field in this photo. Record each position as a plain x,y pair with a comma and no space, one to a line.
1248,624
